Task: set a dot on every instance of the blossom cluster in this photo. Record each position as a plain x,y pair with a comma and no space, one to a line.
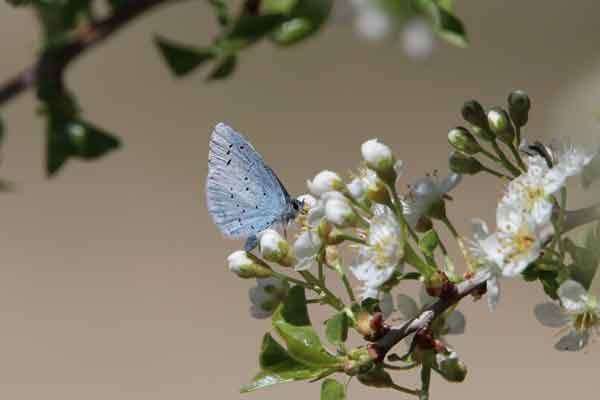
393,237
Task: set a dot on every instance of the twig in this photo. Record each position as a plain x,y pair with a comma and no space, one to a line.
53,62
477,283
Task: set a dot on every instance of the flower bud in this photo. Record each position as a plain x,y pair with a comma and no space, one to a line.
357,189
308,200
245,265
451,367
518,107
461,139
325,181
500,125
275,248
306,248
363,324
483,134
473,112
376,377
379,158
339,212
434,283
463,164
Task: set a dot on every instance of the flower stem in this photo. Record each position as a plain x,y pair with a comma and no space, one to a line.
450,227
404,390
505,162
399,367
290,279
425,381
316,286
495,173
517,157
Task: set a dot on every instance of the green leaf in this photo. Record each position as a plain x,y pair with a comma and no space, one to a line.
332,390
292,323
447,5
71,137
182,59
250,28
530,273
585,262
278,367
277,6
446,24
306,18
336,328
224,68
549,280
221,11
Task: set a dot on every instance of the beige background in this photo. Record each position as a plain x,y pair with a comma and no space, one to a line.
113,283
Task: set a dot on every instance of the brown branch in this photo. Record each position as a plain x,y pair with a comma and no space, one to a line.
53,62
477,283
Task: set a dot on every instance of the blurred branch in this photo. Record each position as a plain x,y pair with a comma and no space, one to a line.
53,62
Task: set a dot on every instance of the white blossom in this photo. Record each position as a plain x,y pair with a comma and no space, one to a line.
371,21
339,211
245,265
520,238
274,247
571,159
266,296
425,193
488,258
325,181
377,155
578,313
417,39
306,248
382,254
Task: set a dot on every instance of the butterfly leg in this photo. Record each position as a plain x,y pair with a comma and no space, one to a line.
251,243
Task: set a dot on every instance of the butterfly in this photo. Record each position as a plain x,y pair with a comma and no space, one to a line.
243,194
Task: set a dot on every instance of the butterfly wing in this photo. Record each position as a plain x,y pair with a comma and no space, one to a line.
243,194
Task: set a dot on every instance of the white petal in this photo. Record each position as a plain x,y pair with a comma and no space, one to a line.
306,248
550,314
573,296
386,304
493,292
259,313
479,228
456,323
572,342
407,306
450,182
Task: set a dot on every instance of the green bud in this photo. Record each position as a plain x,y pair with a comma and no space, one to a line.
247,265
473,112
376,377
463,164
483,134
461,139
518,107
451,368
500,125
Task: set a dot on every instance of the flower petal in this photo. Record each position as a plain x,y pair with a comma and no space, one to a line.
573,296
386,304
549,314
456,323
407,306
572,342
493,292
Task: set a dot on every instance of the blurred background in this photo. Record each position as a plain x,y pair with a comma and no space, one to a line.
113,282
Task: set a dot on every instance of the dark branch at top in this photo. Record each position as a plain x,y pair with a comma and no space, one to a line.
54,61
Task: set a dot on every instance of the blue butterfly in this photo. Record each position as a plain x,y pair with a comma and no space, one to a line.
243,194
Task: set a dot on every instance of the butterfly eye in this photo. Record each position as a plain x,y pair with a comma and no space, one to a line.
295,205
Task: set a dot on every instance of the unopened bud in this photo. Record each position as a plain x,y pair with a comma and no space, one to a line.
518,107
274,248
463,164
376,377
451,367
434,283
483,134
461,139
246,265
500,125
473,112
340,213
379,158
325,181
